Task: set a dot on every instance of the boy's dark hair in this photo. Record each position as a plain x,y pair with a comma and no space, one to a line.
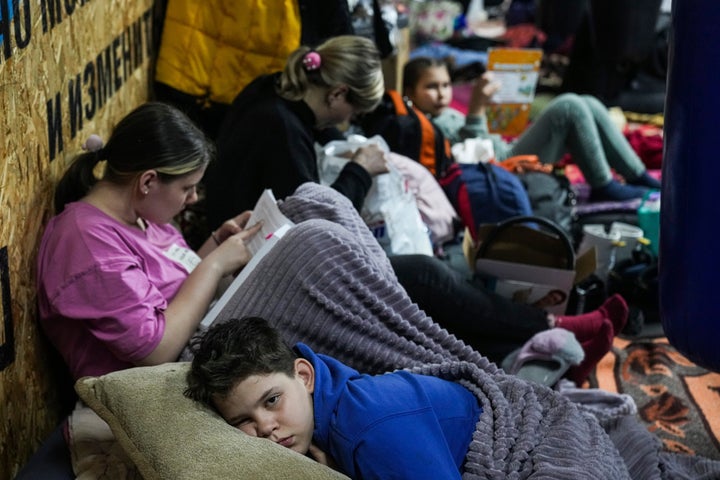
232,351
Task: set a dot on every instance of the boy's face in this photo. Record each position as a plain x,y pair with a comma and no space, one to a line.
433,91
275,406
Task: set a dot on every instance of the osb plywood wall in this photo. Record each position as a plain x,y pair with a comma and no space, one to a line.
68,68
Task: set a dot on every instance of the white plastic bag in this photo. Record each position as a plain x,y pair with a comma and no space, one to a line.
435,209
474,150
390,209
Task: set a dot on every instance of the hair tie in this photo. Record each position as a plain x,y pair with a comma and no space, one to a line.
312,61
93,144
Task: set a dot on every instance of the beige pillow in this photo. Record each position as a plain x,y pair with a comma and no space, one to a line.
169,436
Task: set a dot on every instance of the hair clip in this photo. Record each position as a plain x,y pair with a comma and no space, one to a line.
312,61
93,143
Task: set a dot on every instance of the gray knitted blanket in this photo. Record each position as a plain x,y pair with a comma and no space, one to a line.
328,284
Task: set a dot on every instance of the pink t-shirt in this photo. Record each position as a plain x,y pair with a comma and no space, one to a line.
103,287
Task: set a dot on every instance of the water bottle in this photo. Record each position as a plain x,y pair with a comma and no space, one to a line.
649,219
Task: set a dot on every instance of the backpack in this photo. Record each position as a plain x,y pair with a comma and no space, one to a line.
487,194
409,132
551,197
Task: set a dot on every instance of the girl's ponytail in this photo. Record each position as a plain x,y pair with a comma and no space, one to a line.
77,180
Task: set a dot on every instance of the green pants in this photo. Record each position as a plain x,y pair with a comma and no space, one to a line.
581,125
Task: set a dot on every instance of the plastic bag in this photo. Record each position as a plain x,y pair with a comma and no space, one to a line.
390,209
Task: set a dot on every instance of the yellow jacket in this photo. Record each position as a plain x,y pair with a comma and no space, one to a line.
211,49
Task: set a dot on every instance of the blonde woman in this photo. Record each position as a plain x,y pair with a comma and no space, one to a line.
267,139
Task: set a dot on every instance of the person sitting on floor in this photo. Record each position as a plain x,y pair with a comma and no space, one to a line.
579,124
117,284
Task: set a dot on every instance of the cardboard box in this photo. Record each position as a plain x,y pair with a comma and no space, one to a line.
528,265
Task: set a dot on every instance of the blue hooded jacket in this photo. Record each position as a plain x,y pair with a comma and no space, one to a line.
393,426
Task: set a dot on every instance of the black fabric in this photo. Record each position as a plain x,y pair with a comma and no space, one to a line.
206,114
322,19
51,461
636,279
367,21
268,142
551,197
492,325
615,38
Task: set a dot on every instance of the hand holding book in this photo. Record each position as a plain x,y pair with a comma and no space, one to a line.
516,70
268,215
267,226
231,227
484,87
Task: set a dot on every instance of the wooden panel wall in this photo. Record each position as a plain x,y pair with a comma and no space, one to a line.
68,68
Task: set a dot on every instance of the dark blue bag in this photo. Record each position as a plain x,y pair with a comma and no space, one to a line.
492,194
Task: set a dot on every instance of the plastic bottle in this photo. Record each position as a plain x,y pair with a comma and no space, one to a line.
649,219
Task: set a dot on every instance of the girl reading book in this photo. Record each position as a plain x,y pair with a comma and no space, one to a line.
578,124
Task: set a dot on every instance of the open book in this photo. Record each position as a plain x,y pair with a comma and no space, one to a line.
275,225
517,71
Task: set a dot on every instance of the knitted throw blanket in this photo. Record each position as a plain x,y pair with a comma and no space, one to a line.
328,284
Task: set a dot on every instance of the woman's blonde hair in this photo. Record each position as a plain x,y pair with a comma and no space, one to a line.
344,60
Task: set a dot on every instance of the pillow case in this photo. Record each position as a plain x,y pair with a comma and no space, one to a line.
169,436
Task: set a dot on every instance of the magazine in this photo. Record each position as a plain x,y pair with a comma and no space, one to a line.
274,227
517,71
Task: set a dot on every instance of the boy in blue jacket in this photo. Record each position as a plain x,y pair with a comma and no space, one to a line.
395,425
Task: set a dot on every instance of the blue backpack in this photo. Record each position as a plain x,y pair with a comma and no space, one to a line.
489,193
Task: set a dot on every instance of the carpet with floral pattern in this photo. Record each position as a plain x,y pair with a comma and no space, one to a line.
676,399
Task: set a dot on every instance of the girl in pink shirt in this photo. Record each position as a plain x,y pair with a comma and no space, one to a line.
118,285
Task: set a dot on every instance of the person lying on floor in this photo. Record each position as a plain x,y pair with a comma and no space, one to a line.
578,124
488,322
364,426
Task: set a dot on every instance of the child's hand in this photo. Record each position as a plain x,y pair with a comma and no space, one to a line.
484,88
233,254
231,227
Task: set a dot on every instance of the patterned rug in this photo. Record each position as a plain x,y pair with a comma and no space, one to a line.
676,399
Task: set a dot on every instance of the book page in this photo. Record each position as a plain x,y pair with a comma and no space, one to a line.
267,211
